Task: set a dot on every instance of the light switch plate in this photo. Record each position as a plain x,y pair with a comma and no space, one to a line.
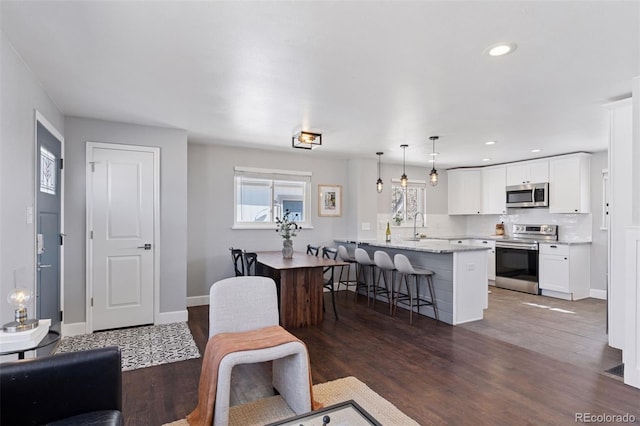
366,226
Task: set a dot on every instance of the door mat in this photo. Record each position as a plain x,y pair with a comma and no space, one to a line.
140,346
618,370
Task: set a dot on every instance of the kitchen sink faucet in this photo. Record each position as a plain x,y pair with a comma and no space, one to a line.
415,231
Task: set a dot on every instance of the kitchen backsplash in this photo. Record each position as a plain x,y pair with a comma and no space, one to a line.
571,227
437,225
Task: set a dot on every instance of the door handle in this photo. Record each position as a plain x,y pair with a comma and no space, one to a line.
147,246
42,266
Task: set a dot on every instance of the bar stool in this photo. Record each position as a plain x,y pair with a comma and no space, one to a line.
403,265
344,255
385,266
364,264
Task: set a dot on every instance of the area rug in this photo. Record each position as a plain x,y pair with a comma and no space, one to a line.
274,408
140,346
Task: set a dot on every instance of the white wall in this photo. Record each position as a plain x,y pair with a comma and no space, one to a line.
599,237
173,207
21,95
210,211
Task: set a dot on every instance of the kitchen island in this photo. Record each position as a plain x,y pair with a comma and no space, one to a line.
460,275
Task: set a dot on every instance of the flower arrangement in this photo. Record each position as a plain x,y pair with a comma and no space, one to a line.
287,226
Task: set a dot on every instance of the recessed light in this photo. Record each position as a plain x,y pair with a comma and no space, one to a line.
486,159
490,143
501,49
536,150
433,154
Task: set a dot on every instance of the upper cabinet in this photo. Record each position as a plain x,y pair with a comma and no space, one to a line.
569,183
535,171
494,182
465,191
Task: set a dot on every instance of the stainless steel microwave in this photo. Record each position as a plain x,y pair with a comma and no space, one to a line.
528,195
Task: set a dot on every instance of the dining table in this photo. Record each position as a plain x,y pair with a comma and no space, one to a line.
301,282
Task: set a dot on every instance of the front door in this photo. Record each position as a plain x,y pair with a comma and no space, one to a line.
48,236
122,218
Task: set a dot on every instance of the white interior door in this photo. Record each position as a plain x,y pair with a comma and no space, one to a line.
123,187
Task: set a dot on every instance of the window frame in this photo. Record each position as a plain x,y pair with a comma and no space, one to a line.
421,185
272,175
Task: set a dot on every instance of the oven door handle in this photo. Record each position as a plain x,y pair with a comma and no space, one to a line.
504,244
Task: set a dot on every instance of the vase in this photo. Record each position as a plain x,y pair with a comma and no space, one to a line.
287,249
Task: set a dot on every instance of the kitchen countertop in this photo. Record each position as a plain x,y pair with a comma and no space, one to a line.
429,245
506,237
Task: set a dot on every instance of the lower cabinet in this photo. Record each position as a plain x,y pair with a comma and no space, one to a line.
491,254
564,270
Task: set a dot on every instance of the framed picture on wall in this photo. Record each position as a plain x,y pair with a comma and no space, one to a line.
329,200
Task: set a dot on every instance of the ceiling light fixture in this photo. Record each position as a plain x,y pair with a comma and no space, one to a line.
433,176
501,49
486,159
379,182
536,150
490,143
306,140
403,179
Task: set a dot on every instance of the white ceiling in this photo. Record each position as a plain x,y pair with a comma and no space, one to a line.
369,76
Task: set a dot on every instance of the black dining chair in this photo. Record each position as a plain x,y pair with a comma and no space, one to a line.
329,275
251,259
238,261
313,250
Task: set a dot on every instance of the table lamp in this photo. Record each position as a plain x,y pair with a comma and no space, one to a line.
20,298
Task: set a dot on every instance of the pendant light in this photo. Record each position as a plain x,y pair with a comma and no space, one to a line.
403,178
433,176
379,182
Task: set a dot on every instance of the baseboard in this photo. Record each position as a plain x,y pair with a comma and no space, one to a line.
171,317
197,300
598,294
74,329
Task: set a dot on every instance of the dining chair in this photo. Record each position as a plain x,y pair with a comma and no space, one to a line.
238,261
251,260
329,275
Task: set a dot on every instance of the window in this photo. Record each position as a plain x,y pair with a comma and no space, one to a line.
405,203
47,171
261,195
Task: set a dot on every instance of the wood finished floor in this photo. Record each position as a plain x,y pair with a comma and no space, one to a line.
435,373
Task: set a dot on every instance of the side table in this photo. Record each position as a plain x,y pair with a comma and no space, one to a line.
50,338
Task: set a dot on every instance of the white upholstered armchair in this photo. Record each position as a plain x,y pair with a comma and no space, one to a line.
243,304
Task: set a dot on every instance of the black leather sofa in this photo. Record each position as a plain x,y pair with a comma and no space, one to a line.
77,388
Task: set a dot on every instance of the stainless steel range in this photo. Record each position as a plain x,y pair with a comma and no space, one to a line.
517,257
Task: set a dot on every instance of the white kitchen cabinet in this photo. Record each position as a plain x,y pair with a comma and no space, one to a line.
491,253
563,271
491,256
569,183
494,182
464,191
535,171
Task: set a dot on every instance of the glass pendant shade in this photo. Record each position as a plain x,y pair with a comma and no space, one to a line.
379,181
433,177
403,179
